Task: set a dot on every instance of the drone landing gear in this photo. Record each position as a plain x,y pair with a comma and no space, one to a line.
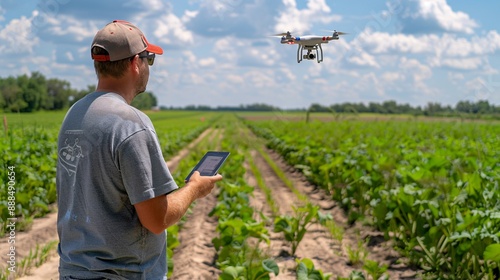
309,55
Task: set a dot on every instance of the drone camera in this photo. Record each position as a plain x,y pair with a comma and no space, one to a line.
310,56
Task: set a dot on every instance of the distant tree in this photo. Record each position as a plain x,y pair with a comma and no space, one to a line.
11,93
433,108
58,93
390,107
33,90
144,101
483,107
376,108
258,107
361,108
464,107
203,108
315,107
406,109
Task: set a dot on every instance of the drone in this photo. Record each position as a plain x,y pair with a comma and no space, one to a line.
310,43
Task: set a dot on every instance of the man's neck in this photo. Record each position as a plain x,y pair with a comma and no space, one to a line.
118,86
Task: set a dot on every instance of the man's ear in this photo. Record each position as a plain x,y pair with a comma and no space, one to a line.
134,64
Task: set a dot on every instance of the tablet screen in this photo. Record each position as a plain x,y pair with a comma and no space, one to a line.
209,164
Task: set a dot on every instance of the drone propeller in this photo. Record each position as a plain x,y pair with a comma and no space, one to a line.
288,33
338,32
280,34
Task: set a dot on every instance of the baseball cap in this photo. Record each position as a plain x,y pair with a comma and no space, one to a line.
121,40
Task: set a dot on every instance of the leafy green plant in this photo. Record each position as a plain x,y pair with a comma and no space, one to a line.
295,227
336,231
172,243
375,270
492,253
355,275
307,271
358,254
246,272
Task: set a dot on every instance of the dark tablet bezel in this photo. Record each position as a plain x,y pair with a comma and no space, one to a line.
224,156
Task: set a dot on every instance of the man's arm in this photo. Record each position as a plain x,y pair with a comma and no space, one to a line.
159,213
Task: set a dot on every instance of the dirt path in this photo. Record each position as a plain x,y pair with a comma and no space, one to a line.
318,245
44,230
195,256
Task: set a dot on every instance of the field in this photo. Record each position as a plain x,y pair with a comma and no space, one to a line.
317,196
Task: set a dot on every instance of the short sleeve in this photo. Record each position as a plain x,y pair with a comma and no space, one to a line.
144,172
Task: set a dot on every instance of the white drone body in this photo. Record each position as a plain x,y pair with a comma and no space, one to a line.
310,43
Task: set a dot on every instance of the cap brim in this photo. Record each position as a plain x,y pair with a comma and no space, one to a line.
152,48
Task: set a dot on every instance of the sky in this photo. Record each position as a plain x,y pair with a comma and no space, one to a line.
222,53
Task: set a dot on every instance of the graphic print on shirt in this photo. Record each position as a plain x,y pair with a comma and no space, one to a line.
69,155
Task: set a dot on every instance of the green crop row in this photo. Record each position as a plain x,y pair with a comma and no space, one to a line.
28,173
434,187
239,234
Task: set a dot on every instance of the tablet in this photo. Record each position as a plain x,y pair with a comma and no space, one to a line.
209,164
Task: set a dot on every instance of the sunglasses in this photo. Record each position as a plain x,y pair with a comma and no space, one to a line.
149,56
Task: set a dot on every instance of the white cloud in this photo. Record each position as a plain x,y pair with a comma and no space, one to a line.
446,50
235,79
69,56
241,19
171,30
240,52
17,37
205,62
189,59
392,77
364,59
418,74
260,79
381,42
456,78
226,48
299,21
470,63
68,29
419,71
421,16
478,89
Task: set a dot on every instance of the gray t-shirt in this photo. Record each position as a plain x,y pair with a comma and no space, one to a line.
109,159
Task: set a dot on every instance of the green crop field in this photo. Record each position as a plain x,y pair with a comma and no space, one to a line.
431,185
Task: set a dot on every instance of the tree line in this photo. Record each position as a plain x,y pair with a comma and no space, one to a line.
430,109
35,92
482,107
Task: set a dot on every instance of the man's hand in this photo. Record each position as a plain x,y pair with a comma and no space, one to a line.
203,184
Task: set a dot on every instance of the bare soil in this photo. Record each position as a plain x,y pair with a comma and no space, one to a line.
328,255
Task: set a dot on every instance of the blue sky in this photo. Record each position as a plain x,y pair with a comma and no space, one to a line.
219,52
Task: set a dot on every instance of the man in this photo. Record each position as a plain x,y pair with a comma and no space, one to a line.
116,195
